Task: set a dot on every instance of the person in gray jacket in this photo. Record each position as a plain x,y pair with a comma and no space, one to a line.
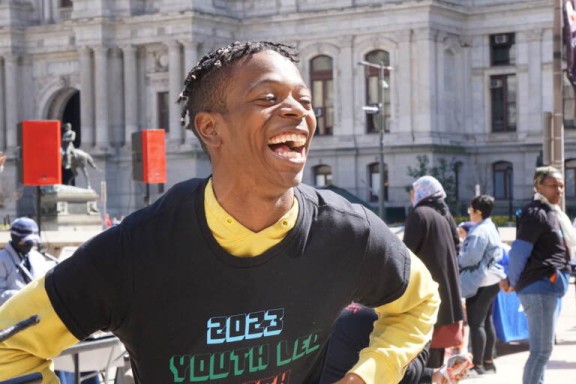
480,275
19,262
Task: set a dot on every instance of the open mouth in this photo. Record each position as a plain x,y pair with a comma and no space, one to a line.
288,145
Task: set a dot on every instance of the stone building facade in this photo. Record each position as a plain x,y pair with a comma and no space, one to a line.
469,85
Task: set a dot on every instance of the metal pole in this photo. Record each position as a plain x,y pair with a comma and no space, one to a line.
381,206
39,209
558,114
382,110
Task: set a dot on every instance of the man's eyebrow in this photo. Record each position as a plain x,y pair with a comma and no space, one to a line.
265,82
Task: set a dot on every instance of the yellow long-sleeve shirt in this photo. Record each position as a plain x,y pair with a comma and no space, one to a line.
400,332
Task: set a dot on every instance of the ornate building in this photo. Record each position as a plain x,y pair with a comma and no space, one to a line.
467,83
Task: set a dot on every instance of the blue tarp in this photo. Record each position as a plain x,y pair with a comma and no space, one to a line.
509,318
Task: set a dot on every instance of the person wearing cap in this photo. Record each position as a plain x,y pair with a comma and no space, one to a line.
539,266
19,262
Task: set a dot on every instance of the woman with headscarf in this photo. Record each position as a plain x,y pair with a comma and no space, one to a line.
431,233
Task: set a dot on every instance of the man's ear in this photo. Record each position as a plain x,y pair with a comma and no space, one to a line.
205,123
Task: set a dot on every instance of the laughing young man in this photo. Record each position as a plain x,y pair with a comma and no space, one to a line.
236,278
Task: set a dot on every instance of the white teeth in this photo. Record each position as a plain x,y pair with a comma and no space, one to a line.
298,139
291,155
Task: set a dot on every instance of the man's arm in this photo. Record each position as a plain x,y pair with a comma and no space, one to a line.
30,350
518,257
403,328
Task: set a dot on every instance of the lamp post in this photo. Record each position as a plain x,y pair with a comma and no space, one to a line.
382,110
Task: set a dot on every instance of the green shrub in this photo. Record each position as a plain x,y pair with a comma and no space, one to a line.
500,221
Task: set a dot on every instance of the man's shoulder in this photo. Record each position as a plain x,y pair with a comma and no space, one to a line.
6,250
174,201
535,208
326,198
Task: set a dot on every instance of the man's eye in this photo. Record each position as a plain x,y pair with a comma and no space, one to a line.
269,99
306,102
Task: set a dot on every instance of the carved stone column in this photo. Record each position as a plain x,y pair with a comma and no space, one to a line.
12,108
86,98
3,127
175,86
101,93
345,70
190,56
130,92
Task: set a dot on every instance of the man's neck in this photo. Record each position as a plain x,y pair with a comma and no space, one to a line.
252,208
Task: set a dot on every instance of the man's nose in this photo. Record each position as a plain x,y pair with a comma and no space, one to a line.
293,108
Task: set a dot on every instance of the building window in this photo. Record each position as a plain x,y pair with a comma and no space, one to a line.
163,110
502,172
503,102
321,77
374,177
570,178
65,3
502,50
569,105
375,90
322,175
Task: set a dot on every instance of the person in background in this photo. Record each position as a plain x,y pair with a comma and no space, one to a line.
20,263
480,275
351,334
2,161
248,262
430,232
539,266
463,229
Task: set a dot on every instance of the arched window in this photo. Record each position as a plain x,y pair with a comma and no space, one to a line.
375,184
376,91
570,178
322,79
322,175
502,172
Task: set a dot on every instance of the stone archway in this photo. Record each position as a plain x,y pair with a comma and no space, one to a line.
64,105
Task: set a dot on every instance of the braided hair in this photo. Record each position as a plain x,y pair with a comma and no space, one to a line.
204,87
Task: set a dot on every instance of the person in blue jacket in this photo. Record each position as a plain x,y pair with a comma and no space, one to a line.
480,275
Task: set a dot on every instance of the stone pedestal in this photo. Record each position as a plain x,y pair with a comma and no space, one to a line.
68,207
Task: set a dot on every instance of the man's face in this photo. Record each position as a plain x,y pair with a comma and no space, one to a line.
24,247
265,132
552,188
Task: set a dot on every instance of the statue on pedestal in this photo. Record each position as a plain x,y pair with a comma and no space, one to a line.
73,158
